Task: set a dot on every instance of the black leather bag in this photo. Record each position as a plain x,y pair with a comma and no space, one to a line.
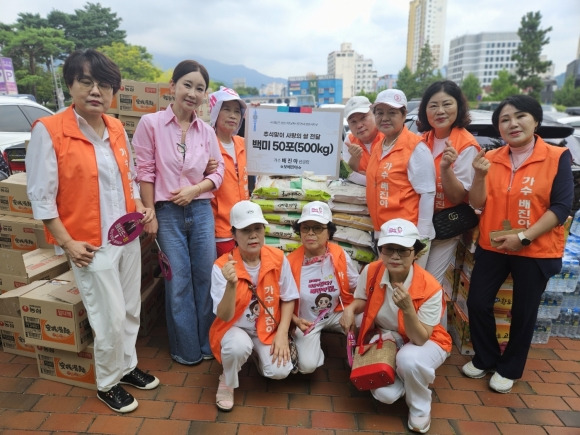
453,221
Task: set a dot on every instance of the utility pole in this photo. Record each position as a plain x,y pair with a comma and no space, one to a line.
59,94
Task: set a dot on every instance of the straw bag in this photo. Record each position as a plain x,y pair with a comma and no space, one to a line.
373,364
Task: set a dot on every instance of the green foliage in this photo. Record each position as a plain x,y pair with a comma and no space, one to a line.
527,55
406,82
91,27
471,87
215,86
414,84
503,86
247,91
568,95
372,96
133,61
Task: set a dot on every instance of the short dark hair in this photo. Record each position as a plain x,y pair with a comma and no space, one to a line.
186,66
524,103
101,67
330,226
450,88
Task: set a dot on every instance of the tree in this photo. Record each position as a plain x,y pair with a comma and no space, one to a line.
503,86
133,61
406,82
91,27
568,95
247,91
425,72
372,96
527,55
471,87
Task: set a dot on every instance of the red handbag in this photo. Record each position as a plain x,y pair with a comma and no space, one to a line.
373,364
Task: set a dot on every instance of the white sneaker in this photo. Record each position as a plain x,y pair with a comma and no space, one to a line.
419,424
473,372
500,384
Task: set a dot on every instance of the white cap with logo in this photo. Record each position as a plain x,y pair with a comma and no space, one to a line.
398,232
245,213
358,104
391,97
316,211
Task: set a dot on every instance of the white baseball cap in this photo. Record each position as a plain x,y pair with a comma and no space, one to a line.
391,97
216,100
358,104
245,213
317,211
398,232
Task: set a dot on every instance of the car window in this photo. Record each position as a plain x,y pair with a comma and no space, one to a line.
12,119
33,113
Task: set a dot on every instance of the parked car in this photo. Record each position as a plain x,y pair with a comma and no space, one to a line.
573,111
573,121
17,115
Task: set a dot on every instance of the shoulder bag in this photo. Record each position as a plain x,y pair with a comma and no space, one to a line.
454,221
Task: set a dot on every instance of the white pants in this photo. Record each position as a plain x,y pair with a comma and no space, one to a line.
415,368
237,346
110,289
440,255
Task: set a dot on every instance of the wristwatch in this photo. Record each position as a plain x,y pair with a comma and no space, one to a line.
523,240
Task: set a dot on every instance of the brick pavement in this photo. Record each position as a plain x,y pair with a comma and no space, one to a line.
545,401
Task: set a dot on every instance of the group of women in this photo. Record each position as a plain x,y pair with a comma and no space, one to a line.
253,300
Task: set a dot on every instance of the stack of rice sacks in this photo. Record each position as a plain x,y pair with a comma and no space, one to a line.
282,199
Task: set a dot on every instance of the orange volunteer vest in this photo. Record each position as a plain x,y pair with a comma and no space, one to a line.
390,194
525,201
267,289
423,286
364,160
78,188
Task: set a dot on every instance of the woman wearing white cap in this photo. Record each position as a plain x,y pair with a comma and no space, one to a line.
406,306
400,173
226,114
326,278
251,273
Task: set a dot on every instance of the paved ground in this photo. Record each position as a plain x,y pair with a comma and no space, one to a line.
546,400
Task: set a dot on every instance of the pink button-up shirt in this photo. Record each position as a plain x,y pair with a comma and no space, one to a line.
160,162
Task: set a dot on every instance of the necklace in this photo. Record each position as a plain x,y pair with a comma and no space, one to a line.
521,160
386,148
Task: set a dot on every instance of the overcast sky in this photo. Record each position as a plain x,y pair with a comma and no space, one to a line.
293,37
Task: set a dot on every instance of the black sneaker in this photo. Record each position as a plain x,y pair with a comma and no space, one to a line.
139,379
118,399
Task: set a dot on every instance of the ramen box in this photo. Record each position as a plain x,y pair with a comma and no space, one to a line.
53,315
73,368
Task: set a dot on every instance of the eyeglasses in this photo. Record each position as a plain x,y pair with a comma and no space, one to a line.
401,252
88,84
316,229
182,148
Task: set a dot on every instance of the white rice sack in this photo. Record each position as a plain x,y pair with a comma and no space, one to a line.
285,245
281,231
299,188
281,218
345,191
280,205
358,253
343,207
359,222
353,236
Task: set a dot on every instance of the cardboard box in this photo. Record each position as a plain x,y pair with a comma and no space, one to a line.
152,305
138,98
13,197
450,281
165,96
73,368
53,315
203,110
18,268
22,233
114,108
130,124
459,331
468,263
11,328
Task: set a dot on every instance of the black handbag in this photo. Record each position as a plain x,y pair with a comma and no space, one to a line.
454,221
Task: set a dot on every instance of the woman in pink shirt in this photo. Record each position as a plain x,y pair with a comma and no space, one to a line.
173,148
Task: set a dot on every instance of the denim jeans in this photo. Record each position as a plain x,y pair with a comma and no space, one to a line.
186,236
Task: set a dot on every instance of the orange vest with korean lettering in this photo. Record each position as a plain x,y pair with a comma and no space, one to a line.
271,260
364,160
423,286
234,188
525,202
77,199
390,194
460,139
296,259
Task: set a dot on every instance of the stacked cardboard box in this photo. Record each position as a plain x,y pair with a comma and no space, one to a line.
13,197
22,233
